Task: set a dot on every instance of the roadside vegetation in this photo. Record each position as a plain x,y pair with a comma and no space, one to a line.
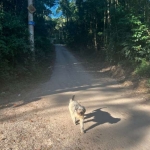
114,31
16,66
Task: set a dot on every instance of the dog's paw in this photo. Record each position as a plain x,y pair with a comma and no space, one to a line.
75,123
82,131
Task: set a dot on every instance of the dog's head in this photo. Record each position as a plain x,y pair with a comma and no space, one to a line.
80,110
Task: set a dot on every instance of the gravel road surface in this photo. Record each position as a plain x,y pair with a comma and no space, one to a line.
40,120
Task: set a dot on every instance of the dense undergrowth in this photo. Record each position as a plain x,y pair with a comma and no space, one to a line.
115,31
23,77
135,75
17,69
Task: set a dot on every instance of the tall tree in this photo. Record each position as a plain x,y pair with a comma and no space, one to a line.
14,44
118,29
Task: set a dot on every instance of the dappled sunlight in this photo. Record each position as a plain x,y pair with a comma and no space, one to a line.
111,112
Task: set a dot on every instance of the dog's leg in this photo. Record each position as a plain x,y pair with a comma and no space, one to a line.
73,119
82,125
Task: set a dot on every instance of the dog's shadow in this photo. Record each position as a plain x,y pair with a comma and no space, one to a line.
99,117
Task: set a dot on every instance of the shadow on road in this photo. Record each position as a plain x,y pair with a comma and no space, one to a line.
100,117
55,94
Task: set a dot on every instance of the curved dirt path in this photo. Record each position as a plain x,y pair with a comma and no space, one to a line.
41,120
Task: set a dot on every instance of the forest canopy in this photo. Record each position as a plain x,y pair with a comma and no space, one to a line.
117,29
14,35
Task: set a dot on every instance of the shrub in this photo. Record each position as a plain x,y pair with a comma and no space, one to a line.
143,68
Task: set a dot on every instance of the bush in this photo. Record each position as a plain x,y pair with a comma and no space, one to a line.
143,68
14,49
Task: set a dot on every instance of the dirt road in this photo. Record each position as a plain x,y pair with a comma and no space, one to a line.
41,120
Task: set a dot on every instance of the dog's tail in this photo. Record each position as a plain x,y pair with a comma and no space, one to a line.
73,97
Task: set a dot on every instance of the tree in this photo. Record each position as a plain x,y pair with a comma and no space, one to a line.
14,44
117,29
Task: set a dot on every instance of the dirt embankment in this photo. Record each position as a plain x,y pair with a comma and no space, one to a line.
128,78
124,74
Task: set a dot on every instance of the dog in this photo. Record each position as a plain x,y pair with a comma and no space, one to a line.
77,112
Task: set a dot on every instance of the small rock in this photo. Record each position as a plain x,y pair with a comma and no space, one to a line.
3,139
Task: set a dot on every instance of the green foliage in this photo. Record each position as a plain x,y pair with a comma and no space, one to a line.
15,54
13,43
130,35
137,43
148,82
143,68
43,47
117,30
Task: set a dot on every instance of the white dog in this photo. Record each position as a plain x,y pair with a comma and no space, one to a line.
77,112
